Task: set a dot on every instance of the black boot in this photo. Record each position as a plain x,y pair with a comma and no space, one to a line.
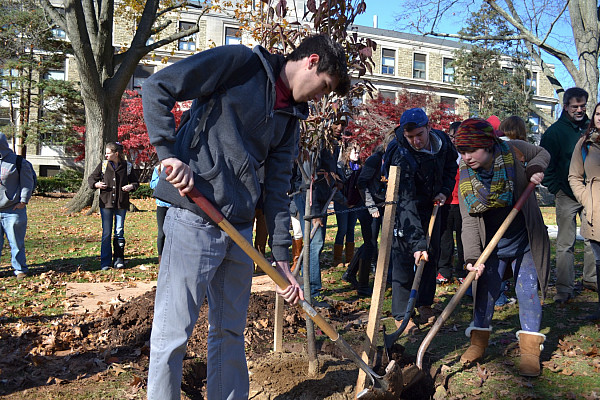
119,253
364,290
350,274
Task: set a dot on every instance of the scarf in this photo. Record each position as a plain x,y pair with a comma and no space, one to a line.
479,198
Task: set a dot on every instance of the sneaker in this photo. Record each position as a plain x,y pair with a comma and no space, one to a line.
119,263
21,276
562,297
439,279
106,267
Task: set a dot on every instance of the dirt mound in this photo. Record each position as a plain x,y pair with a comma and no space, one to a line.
75,347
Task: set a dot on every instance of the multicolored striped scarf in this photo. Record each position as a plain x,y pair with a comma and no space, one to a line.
479,198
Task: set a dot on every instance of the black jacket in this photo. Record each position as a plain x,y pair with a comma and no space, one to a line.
423,177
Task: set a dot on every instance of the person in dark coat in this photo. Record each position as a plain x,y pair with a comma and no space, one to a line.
115,178
427,162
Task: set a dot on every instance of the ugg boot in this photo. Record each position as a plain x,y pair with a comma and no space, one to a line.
531,345
479,342
349,251
297,245
338,250
364,267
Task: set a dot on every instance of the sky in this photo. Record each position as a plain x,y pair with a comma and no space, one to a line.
386,10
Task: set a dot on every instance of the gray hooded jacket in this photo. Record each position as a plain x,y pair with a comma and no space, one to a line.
14,187
230,135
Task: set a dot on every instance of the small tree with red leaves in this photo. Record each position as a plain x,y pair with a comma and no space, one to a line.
380,116
133,135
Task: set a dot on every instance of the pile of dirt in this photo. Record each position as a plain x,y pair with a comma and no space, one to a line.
75,347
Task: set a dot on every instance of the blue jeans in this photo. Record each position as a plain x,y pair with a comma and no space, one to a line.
345,224
13,223
199,260
316,246
108,214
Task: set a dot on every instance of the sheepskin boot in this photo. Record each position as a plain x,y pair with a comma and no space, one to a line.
349,251
338,253
479,342
531,345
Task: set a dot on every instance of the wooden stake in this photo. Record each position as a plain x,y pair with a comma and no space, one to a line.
387,230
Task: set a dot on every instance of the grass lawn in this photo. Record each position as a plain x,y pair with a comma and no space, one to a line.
63,248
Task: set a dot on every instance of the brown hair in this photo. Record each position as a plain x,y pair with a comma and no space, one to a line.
514,128
116,147
591,128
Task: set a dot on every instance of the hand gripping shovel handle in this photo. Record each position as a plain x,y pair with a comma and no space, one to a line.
282,282
469,279
390,339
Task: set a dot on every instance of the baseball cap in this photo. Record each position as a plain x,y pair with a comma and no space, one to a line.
414,115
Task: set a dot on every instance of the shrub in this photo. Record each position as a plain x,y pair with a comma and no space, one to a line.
142,192
66,181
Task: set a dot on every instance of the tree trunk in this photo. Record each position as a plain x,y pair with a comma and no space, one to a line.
101,127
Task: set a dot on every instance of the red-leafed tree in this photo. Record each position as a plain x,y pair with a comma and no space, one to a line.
378,117
132,133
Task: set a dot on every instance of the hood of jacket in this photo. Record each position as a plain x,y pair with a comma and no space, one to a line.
4,148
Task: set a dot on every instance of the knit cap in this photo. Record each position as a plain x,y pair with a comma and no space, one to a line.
475,133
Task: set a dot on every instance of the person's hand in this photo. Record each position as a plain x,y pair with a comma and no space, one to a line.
537,178
375,214
440,199
421,254
317,222
100,185
179,174
293,293
19,206
127,188
479,269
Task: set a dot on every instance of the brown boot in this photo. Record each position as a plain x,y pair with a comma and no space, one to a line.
338,250
297,245
411,327
349,251
426,315
531,345
479,342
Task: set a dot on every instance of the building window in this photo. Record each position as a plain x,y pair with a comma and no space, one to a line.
55,75
388,61
419,61
534,121
448,70
388,96
187,43
232,36
449,104
141,73
58,33
531,81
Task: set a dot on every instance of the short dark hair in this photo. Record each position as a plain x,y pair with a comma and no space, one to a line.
453,127
469,149
332,59
574,93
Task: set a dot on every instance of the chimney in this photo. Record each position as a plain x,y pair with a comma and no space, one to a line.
374,21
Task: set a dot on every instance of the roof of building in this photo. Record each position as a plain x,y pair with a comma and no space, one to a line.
409,36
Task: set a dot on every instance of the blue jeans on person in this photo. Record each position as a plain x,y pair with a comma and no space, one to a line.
13,224
199,260
108,215
316,246
489,286
345,224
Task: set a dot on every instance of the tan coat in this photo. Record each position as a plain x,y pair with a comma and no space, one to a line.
473,228
587,189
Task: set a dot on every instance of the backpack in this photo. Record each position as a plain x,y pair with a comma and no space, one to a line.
19,164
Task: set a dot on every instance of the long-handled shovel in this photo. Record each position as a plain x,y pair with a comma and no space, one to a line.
467,283
390,339
378,381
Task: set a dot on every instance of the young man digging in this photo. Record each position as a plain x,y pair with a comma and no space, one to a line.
245,114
